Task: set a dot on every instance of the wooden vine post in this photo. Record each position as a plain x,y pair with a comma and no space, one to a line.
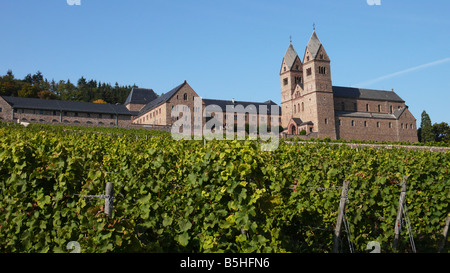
444,234
337,230
398,221
109,198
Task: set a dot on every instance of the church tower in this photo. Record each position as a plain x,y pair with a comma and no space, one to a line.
291,74
317,92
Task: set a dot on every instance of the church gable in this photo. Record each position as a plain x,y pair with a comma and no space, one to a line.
322,55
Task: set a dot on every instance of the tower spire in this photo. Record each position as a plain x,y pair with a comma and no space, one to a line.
314,26
290,39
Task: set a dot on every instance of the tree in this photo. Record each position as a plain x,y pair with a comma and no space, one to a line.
28,91
47,95
441,132
8,85
99,101
426,129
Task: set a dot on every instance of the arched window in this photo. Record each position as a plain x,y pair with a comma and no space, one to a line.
295,108
185,96
303,106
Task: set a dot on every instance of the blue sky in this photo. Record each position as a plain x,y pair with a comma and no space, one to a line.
233,49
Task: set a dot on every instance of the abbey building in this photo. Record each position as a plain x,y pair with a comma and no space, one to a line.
312,106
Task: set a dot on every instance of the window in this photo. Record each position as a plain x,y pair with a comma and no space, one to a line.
378,124
65,114
367,107
307,58
76,114
285,81
353,123
322,70
112,116
295,108
285,68
185,96
339,121
390,108
308,71
326,121
402,125
390,124
54,113
0,109
365,123
379,108
406,125
321,56
303,106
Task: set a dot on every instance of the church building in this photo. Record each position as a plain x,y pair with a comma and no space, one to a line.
312,106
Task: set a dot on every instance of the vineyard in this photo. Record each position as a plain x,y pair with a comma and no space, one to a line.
215,196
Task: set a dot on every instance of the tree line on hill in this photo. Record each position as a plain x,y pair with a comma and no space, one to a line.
36,86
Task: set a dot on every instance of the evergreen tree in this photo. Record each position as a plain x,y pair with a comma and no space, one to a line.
426,129
441,132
